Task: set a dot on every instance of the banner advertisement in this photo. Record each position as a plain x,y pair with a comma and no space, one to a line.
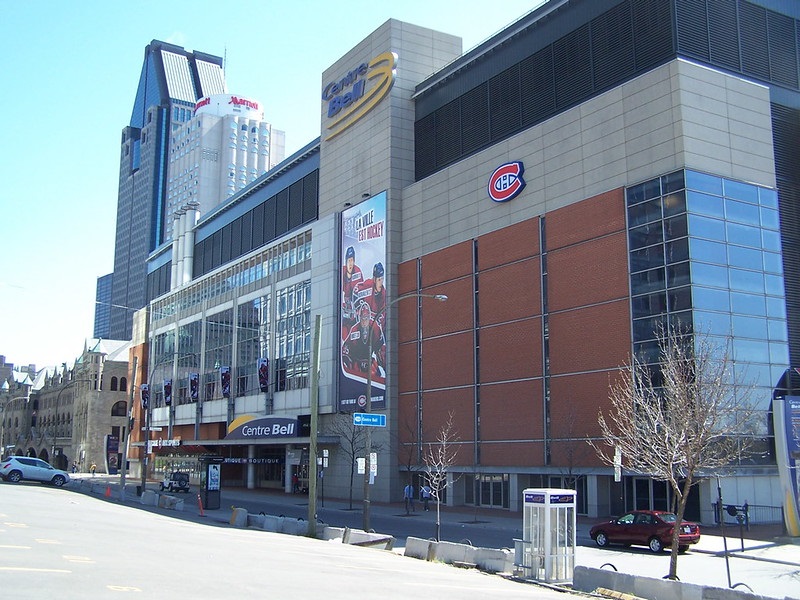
263,374
145,390
786,419
225,376
194,386
168,391
363,305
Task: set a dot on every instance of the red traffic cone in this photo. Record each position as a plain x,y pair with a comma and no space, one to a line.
108,491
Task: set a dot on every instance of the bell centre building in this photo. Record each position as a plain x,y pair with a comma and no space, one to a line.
486,238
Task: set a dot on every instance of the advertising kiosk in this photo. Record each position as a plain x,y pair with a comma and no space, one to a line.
210,480
547,550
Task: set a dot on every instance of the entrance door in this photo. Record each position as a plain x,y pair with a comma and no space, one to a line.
642,497
649,494
494,491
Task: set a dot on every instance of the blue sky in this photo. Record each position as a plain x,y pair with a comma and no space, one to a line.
69,79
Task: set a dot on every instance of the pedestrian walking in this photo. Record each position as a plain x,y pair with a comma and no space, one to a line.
426,496
408,498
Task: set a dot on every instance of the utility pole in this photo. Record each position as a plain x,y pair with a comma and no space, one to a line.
312,451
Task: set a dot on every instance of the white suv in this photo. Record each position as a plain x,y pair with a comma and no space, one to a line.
17,468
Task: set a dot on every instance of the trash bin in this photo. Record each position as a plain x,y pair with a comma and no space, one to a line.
138,490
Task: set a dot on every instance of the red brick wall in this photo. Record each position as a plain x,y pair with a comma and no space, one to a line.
446,265
448,361
593,337
511,351
508,244
512,454
510,292
438,405
589,334
512,411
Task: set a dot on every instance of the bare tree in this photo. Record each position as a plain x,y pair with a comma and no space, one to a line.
439,457
573,449
685,417
407,448
352,441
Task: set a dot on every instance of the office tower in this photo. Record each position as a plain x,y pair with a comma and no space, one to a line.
171,81
224,147
102,307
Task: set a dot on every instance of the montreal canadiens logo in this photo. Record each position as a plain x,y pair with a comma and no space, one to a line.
506,182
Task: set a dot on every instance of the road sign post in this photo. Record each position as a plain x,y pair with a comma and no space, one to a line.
369,419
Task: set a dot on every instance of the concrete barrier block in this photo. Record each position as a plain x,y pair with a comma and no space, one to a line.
331,533
149,498
167,501
273,523
449,552
294,526
239,517
587,579
255,521
494,560
418,548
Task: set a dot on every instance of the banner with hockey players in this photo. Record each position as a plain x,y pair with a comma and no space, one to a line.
363,305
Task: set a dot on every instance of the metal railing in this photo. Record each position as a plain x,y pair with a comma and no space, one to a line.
748,514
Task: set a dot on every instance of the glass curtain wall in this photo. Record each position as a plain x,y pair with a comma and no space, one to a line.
705,255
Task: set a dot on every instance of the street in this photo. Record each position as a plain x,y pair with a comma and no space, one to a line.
94,544
62,544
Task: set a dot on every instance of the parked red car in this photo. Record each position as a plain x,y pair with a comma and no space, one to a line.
651,528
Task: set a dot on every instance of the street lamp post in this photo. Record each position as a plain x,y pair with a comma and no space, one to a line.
368,402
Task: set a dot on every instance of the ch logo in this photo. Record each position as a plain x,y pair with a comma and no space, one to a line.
506,181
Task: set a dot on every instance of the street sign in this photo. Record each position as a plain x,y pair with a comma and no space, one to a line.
152,429
369,419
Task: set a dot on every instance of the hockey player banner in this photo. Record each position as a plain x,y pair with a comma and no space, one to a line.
363,291
263,374
194,386
225,376
145,390
168,391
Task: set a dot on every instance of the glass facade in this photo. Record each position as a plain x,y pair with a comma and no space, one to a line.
275,325
705,254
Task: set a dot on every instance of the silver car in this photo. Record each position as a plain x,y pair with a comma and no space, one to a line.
17,468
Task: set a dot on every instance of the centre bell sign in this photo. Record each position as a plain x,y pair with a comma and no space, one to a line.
357,92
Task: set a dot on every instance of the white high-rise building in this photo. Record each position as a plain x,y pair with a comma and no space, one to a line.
224,147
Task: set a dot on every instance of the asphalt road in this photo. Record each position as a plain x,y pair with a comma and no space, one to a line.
55,543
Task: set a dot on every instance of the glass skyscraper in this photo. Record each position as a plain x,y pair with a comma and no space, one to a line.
172,79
